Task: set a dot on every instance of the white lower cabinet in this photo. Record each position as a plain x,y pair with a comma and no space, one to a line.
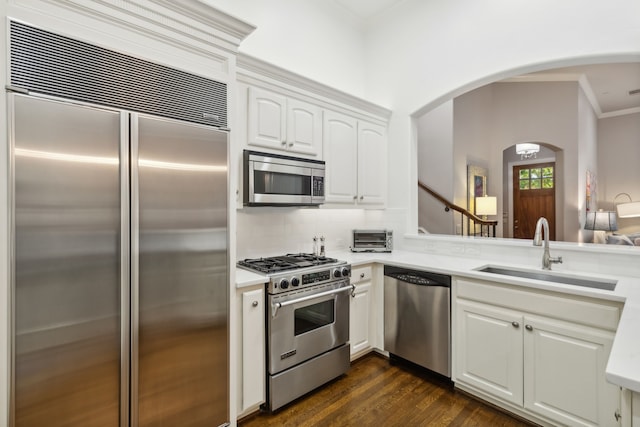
489,354
548,369
360,311
253,349
564,373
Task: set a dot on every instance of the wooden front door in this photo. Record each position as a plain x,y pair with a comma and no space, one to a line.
534,195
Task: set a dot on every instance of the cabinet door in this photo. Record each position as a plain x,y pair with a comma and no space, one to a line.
489,349
266,119
359,318
304,127
340,141
564,372
372,166
253,348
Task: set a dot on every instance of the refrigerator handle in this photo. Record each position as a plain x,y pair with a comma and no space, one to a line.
125,271
134,235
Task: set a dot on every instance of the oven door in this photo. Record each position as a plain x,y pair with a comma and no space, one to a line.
305,324
271,183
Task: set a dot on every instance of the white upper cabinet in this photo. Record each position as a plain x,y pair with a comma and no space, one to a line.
278,122
341,157
372,167
355,152
304,127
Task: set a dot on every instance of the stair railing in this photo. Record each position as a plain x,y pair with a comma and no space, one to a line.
472,219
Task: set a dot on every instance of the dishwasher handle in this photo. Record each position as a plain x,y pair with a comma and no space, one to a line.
416,277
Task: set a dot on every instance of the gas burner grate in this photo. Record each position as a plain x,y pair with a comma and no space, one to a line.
286,262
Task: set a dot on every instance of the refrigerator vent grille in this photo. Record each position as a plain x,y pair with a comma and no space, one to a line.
50,64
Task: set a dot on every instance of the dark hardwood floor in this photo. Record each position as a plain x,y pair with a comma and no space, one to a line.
377,392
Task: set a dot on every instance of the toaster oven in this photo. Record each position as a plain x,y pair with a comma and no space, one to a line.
372,241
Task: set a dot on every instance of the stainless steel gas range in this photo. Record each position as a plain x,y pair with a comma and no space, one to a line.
307,323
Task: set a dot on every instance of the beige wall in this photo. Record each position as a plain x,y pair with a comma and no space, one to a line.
619,164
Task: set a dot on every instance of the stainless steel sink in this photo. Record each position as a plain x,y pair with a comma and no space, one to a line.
607,285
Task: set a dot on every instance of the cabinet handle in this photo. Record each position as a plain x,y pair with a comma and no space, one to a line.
355,197
255,303
361,197
291,144
528,327
515,324
362,275
617,415
284,142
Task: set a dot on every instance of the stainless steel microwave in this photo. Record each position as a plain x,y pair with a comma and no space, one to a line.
277,180
372,241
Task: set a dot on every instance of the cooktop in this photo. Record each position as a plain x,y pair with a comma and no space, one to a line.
287,262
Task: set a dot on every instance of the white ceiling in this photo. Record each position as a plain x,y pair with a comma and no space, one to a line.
607,85
368,9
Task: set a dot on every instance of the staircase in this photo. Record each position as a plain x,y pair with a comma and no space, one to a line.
472,220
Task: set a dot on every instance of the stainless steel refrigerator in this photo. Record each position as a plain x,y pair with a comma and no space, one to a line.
119,267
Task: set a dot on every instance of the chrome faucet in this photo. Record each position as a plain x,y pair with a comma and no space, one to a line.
547,259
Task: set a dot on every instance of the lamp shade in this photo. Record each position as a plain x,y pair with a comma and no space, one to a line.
601,220
628,210
486,205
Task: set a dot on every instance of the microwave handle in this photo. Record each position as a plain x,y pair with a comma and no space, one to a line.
276,168
276,306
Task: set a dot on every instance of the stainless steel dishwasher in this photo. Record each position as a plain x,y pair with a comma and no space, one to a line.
417,317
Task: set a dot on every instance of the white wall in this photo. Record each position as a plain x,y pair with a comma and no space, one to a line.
424,50
314,38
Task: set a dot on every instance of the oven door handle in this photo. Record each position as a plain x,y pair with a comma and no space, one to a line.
277,305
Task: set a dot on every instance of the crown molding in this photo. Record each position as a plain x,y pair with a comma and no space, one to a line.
201,12
191,24
250,66
627,111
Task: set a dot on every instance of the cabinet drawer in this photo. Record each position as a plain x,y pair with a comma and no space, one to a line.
360,274
584,310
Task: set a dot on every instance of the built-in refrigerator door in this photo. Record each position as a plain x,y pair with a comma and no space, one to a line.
179,274
67,265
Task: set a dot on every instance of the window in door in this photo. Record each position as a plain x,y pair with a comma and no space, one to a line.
536,178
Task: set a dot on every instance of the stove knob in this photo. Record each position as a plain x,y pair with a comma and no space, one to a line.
345,271
337,273
284,284
295,281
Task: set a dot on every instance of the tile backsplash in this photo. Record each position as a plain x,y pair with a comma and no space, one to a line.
267,231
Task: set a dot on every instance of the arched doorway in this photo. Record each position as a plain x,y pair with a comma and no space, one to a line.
530,183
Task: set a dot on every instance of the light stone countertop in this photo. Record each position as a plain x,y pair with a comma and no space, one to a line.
623,367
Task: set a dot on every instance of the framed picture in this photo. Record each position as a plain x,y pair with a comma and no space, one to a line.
476,185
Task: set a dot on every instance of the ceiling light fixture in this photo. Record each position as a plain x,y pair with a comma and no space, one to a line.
527,150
